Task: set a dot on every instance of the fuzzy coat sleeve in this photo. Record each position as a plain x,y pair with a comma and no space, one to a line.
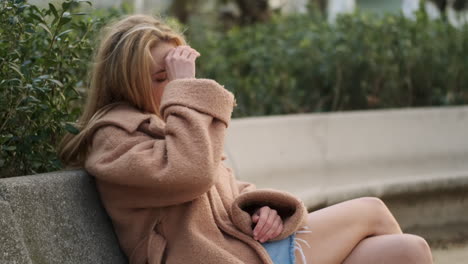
290,208
173,169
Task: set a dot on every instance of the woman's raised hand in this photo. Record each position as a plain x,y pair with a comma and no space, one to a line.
180,62
269,224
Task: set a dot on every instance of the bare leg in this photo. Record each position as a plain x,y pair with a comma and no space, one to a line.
390,249
336,230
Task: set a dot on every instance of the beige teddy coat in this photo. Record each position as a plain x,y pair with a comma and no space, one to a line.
166,189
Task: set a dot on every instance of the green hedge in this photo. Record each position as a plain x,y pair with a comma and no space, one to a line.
44,56
304,64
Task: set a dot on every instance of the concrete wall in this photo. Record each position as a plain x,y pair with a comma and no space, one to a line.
324,151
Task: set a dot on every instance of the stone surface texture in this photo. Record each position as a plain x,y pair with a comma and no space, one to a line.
12,247
55,218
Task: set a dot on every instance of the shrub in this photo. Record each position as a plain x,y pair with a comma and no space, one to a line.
301,64
44,56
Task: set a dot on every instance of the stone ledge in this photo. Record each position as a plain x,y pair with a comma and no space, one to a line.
12,245
61,219
386,189
350,147
434,207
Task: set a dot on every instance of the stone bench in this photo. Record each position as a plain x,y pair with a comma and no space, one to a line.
55,218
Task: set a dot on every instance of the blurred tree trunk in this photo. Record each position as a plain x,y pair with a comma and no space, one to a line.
458,5
253,11
320,4
441,4
243,12
183,9
318,7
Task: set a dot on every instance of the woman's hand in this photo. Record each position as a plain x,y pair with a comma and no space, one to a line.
180,63
269,224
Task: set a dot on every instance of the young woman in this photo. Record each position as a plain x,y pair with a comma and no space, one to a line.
152,135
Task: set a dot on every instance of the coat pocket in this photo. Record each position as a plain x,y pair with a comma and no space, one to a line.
156,247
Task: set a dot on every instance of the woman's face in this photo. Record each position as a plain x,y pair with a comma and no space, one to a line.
158,71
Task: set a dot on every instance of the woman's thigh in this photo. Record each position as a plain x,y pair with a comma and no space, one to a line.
336,230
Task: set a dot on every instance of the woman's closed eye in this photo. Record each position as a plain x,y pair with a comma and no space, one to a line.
161,77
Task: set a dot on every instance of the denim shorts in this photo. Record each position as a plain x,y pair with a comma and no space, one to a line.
281,251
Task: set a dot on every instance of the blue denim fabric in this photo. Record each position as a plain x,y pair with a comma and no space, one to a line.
281,251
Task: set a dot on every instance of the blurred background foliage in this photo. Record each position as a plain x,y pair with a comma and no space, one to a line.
273,63
301,64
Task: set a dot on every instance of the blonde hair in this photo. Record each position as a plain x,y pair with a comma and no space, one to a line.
121,73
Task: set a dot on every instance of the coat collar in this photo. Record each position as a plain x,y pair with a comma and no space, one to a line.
130,118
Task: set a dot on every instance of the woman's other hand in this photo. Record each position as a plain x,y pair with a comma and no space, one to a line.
268,224
180,62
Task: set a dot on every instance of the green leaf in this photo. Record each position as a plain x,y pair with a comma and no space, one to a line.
66,5
36,164
5,138
56,82
33,99
15,68
35,8
46,28
54,11
8,136
64,20
36,17
85,1
9,148
24,6
70,128
64,32
43,77
13,20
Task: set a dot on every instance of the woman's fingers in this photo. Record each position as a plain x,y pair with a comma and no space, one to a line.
176,52
181,49
263,217
267,219
196,52
185,51
261,236
273,231
180,63
255,217
168,60
170,54
279,230
193,55
269,224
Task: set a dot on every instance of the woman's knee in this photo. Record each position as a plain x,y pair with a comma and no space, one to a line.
379,216
414,249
